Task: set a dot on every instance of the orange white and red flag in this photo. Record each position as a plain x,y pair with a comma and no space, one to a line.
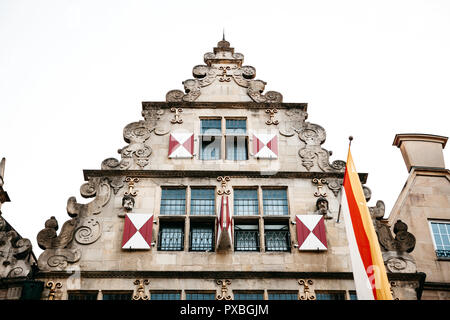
369,272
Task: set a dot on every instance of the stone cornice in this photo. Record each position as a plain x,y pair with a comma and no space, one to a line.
399,138
214,174
226,105
223,274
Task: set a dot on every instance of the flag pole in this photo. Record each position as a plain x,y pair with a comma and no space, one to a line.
350,138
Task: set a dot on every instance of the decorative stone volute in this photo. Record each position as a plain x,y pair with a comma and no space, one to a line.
224,78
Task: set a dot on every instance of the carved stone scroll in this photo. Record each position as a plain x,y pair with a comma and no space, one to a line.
307,294
223,289
15,252
140,290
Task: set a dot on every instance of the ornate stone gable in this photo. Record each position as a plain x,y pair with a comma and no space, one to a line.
224,78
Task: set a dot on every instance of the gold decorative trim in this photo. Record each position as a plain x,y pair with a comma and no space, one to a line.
223,182
224,290
53,286
320,183
131,182
140,290
306,295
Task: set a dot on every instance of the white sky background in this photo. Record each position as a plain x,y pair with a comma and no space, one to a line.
73,74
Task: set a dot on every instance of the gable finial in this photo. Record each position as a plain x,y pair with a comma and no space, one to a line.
223,34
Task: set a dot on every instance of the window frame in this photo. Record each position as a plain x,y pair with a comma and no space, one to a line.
269,188
197,224
163,212
93,293
283,223
247,223
214,210
446,253
217,138
163,223
165,292
241,188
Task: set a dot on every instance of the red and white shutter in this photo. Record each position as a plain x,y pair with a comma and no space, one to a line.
137,231
224,226
311,233
181,145
265,145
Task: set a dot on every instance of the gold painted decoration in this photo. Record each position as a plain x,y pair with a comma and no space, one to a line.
53,286
140,290
223,182
224,290
306,295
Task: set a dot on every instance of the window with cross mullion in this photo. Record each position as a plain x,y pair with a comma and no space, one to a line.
275,202
173,201
236,139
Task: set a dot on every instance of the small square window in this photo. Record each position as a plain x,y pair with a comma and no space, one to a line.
277,237
210,147
173,201
82,295
171,236
275,202
283,295
330,295
165,295
203,202
441,238
248,295
211,127
236,126
195,295
117,295
201,237
246,237
245,202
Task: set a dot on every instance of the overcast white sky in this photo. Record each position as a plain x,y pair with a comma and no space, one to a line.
74,73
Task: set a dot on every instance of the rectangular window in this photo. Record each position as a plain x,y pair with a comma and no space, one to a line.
203,202
284,295
88,295
246,237
116,295
236,140
201,237
171,237
238,295
173,201
245,202
275,202
200,295
330,295
236,126
236,148
441,237
352,295
165,295
277,237
211,127
210,139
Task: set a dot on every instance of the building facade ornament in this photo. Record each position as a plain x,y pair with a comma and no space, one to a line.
223,66
308,292
15,252
223,290
140,290
53,286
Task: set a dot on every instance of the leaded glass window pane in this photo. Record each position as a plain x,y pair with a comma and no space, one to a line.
330,295
171,238
173,201
117,295
211,127
202,238
82,296
210,148
246,238
441,235
248,296
283,295
245,202
236,126
163,295
353,295
200,295
275,202
203,202
277,238
236,148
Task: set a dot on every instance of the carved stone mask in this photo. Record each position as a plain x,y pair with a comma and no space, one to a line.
128,203
322,205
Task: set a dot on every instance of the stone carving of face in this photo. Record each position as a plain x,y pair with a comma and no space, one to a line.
322,205
128,203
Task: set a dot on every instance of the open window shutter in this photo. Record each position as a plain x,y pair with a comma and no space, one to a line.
137,231
181,145
265,145
224,225
311,233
